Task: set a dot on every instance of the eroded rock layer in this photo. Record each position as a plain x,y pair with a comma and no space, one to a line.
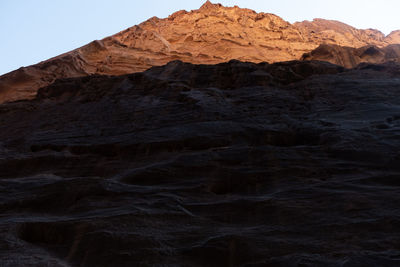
209,35
350,57
238,164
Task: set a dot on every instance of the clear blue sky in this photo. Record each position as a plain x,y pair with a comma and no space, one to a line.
35,30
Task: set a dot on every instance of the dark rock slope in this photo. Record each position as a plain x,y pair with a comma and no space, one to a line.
238,164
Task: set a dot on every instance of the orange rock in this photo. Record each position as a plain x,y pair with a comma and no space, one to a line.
209,35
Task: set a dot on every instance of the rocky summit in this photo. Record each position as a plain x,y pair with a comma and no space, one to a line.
126,153
210,35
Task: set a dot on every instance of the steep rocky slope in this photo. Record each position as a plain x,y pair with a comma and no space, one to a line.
236,164
210,35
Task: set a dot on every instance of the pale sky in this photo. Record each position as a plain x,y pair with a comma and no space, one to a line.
35,30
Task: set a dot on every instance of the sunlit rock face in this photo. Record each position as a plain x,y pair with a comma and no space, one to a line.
394,37
209,35
236,164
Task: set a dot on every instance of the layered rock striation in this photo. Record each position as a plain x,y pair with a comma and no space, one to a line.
209,35
235,164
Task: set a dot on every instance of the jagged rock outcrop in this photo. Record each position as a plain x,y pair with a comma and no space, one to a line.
209,35
235,164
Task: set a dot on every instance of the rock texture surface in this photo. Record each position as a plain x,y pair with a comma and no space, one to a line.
237,164
350,57
335,32
210,35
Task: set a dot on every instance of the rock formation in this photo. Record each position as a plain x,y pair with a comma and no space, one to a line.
394,37
351,57
210,35
235,164
125,153
321,31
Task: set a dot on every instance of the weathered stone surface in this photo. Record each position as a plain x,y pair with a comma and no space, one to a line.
394,37
322,31
350,57
209,35
237,164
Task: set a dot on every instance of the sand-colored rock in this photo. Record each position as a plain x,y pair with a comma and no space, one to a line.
323,31
394,37
209,35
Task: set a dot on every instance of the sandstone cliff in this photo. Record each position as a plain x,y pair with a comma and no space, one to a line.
234,164
209,35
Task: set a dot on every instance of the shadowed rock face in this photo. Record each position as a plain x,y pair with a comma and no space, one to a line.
350,57
209,35
237,164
